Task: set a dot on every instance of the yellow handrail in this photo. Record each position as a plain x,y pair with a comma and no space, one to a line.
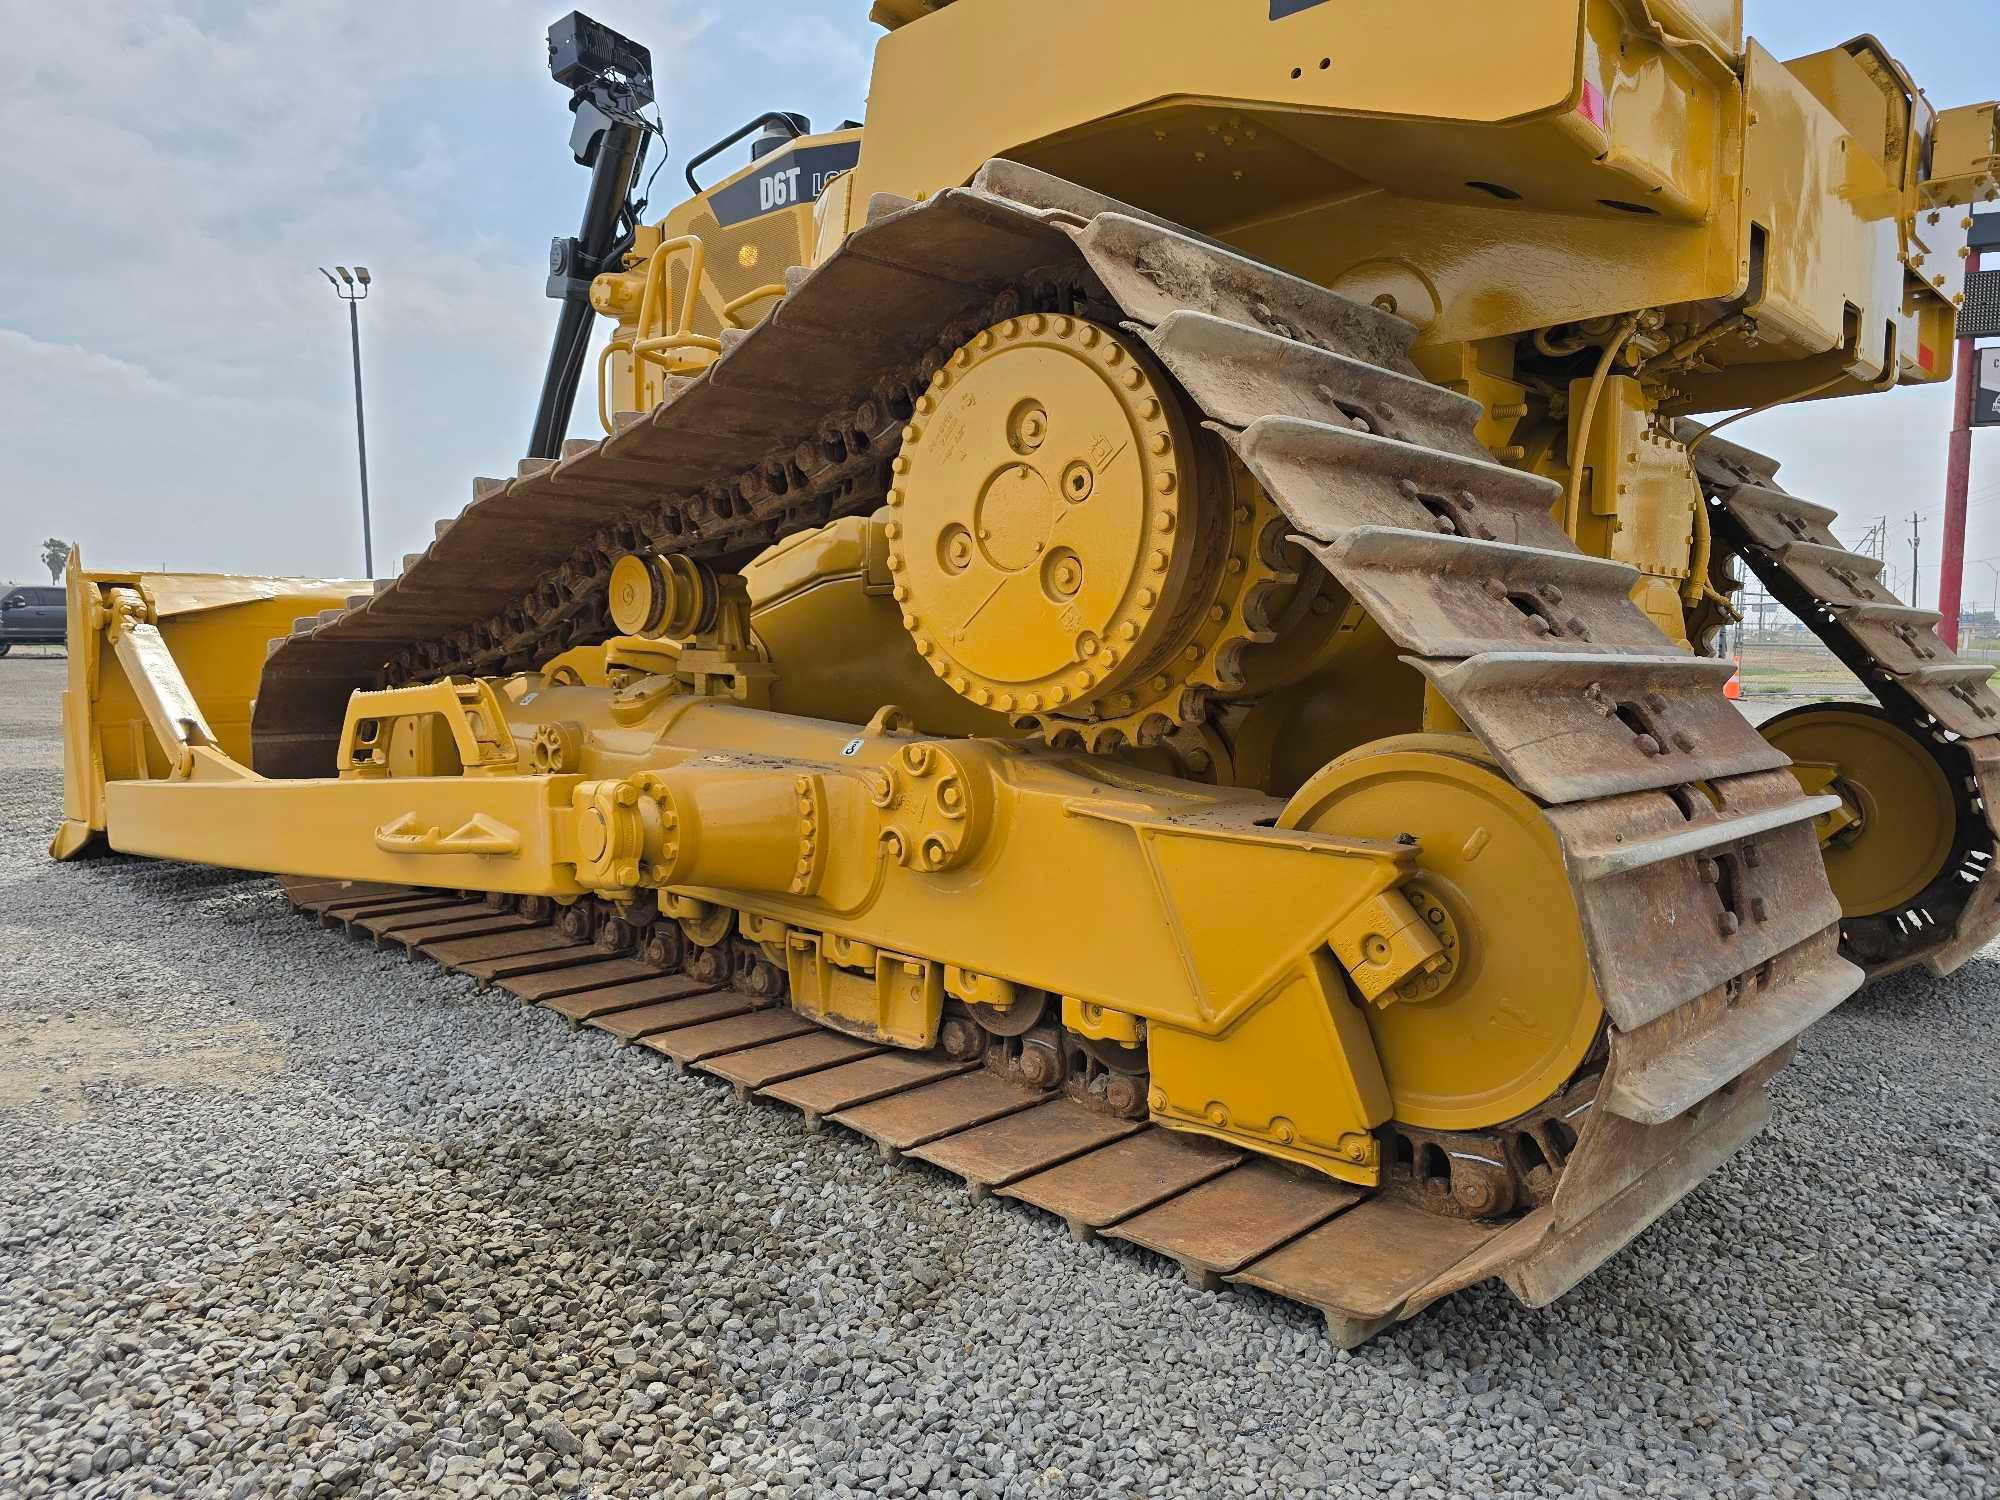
656,310
750,299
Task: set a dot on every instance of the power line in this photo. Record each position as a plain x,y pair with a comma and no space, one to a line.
1973,502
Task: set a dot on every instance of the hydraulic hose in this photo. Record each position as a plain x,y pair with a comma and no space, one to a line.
1573,504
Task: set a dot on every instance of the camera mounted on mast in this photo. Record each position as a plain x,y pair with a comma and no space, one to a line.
611,82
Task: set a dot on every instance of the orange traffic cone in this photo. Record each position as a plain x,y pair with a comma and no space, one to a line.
1733,689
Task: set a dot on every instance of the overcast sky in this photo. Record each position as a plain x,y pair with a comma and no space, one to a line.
174,379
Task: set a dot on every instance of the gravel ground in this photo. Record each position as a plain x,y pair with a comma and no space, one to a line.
283,1215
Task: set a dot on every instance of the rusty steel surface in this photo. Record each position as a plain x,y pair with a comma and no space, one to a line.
705,1003
1667,1065
308,894
1543,714
1360,1267
1220,1226
557,952
902,1122
554,983
774,1062
1221,1216
1005,1150
818,1095
1489,1174
535,937
1681,897
392,922
1124,1178
609,999
338,913
492,924
693,1044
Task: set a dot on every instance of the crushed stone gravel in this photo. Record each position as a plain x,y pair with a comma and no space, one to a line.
281,1214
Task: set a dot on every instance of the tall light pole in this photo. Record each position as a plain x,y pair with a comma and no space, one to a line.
352,289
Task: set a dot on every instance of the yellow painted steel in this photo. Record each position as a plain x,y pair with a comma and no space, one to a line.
690,279
1893,835
215,627
1965,156
933,757
1774,228
834,584
1628,156
1065,544
1037,536
1519,1016
864,840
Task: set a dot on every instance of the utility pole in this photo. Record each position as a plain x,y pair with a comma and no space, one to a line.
353,289
1916,546
1760,602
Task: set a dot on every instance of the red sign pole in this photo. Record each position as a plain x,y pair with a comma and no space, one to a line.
1957,485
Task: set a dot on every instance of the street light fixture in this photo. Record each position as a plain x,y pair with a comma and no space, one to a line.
352,288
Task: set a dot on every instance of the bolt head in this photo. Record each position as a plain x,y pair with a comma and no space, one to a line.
1474,1194
1039,1066
961,1039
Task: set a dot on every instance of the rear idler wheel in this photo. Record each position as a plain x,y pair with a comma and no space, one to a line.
1906,835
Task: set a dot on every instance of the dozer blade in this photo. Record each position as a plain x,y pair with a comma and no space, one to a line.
183,667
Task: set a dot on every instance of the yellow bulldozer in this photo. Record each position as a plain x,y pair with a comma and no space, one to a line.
1144,628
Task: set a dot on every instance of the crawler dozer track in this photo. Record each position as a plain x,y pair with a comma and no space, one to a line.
1946,707
1710,931
1225,1216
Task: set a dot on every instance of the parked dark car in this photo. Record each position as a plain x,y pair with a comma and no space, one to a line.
29,616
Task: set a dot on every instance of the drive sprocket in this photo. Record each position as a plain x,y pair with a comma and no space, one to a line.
1069,548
